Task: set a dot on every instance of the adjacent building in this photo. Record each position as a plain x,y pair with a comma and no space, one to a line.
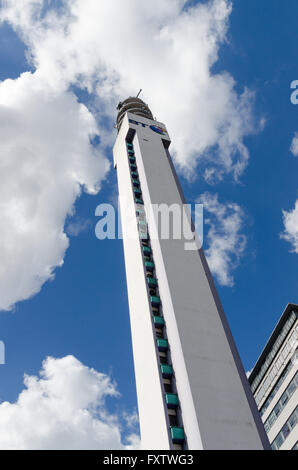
191,387
274,382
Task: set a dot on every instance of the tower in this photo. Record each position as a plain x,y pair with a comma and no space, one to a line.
191,387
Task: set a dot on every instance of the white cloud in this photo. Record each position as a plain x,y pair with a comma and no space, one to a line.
294,145
117,47
290,220
225,243
78,225
46,160
132,420
63,408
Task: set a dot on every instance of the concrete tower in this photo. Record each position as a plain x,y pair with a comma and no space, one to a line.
191,387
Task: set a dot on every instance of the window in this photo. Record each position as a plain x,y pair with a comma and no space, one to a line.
146,250
163,359
291,388
284,399
278,408
168,388
173,420
172,400
295,447
166,370
177,434
155,300
277,386
278,442
293,421
141,214
158,322
152,282
274,350
162,344
149,265
285,430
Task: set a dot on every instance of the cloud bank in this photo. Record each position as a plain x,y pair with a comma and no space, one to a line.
46,161
63,408
225,242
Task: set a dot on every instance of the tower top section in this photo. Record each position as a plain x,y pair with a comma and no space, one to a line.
133,105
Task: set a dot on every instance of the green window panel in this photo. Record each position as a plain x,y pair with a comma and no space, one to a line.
136,183
134,174
162,344
155,300
158,321
139,200
178,435
132,159
149,265
166,371
147,250
133,167
172,400
152,282
137,191
130,146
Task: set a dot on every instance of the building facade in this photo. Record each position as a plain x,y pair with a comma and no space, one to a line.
274,382
191,387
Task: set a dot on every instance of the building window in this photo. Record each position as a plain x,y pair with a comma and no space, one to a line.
295,447
276,387
168,388
173,420
285,430
274,350
163,359
291,388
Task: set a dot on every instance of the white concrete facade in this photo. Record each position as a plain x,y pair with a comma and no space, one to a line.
274,381
216,406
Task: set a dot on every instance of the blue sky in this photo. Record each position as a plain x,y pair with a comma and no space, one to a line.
83,310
